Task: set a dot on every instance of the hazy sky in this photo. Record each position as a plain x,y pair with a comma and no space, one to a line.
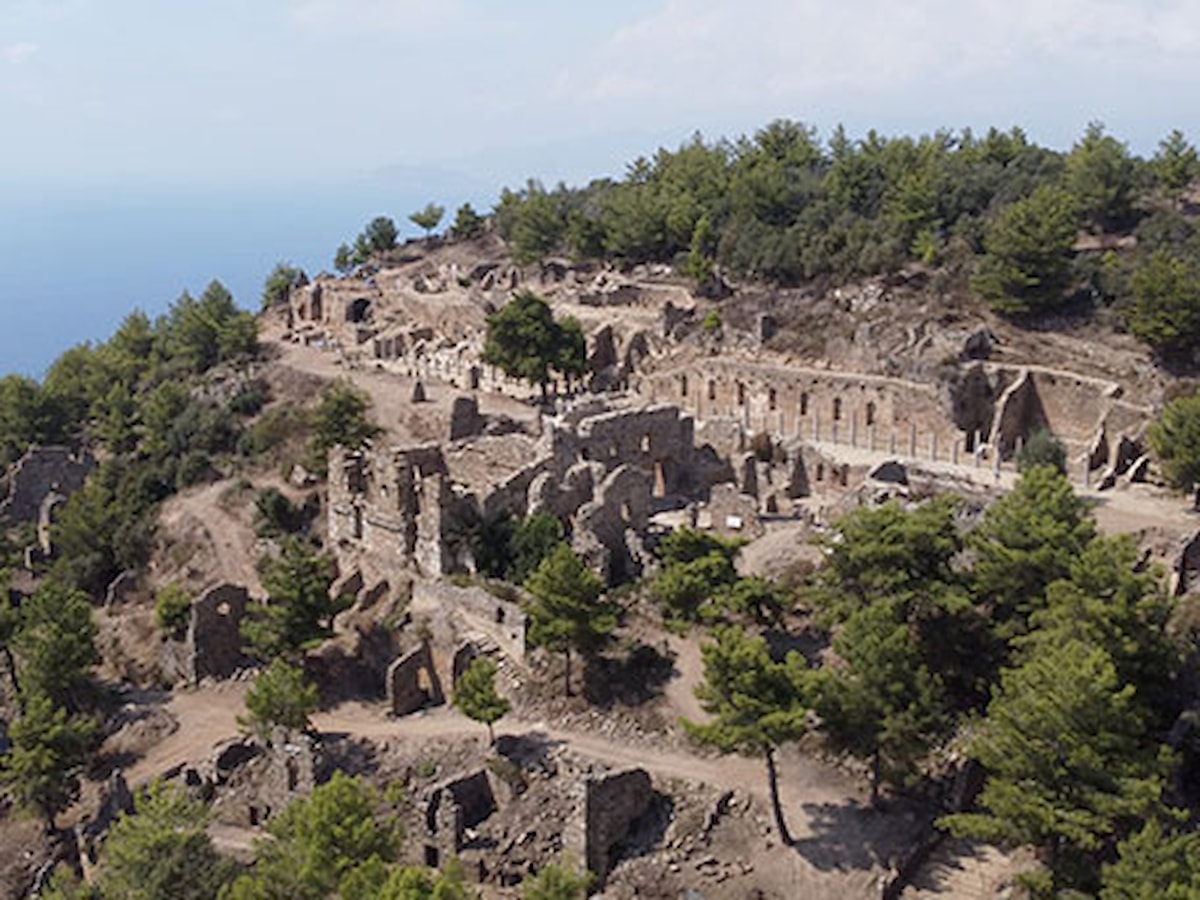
225,92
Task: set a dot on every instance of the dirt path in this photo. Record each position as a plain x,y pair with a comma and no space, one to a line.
209,716
680,690
206,718
231,540
391,394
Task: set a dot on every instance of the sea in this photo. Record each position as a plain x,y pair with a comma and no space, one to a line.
74,262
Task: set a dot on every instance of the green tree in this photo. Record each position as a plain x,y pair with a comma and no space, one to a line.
1028,539
467,223
1101,177
757,704
344,259
533,539
1042,449
1175,166
525,341
1165,311
281,696
1175,439
757,599
299,608
888,550
210,330
284,278
379,236
340,418
317,842
1027,266
428,217
571,358
476,696
55,644
1111,602
1068,759
162,851
48,752
533,221
172,609
884,705
696,568
28,416
376,881
1154,863
566,612
684,589
557,881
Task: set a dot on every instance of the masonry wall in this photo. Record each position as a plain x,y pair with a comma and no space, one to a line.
39,472
501,620
813,404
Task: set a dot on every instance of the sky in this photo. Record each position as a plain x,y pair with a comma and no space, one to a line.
144,144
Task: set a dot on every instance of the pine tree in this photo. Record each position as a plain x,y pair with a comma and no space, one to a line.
757,704
49,748
567,613
476,697
281,696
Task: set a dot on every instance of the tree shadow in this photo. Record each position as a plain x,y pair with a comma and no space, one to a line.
849,836
530,751
948,857
633,678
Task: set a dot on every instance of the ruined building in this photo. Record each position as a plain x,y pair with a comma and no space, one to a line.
601,470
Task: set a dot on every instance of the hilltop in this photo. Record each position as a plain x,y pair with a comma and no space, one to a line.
763,357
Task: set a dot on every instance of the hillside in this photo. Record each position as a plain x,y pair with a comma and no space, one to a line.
743,438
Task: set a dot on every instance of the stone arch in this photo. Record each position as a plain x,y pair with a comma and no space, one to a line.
358,311
837,409
772,399
712,389
870,413
804,403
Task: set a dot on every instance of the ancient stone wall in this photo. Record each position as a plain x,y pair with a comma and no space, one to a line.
501,620
658,440
815,404
213,632
609,805
392,507
43,471
413,683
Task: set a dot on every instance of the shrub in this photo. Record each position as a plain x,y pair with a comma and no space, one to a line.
1042,449
172,609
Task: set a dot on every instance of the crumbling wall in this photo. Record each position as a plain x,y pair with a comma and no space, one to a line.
213,646
413,683
658,440
609,806
214,634
621,506
390,507
503,621
43,471
816,404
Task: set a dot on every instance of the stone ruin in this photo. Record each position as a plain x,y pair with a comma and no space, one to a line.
608,807
412,682
987,406
593,815
213,646
449,809
601,471
38,484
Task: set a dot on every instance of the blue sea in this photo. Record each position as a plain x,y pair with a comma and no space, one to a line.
75,262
